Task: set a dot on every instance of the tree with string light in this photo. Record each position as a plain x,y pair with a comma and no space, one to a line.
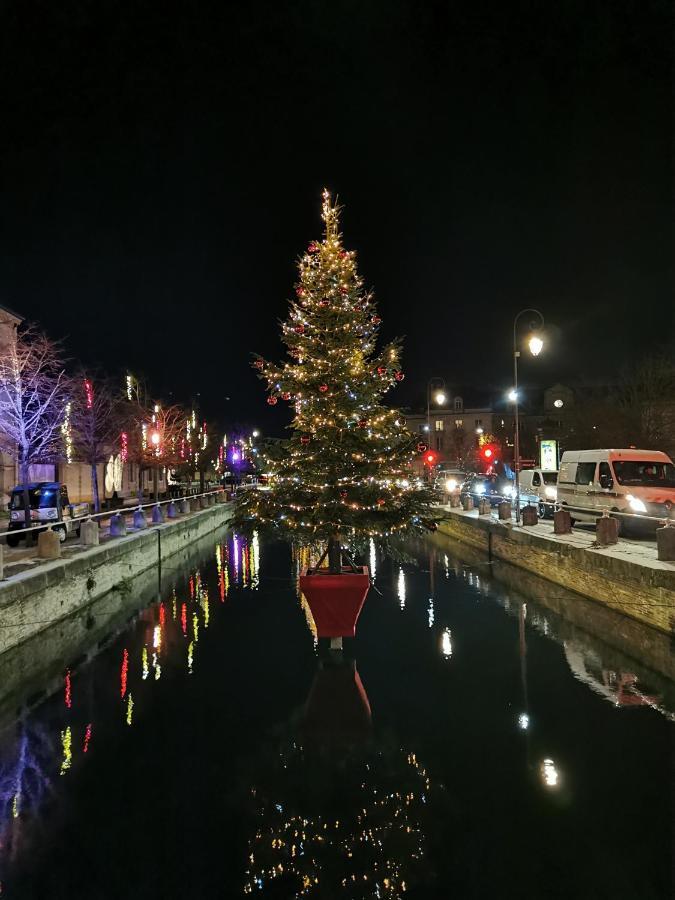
346,469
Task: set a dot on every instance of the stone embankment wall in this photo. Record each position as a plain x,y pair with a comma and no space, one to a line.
32,601
643,592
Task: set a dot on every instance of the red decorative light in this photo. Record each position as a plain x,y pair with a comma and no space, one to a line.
381,370
183,618
124,673
324,302
300,291
162,615
258,363
304,439
87,738
362,423
67,692
285,396
380,501
344,290
272,401
376,320
313,247
299,329
89,391
323,388
124,446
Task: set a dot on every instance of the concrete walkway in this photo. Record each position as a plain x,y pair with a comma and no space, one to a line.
642,553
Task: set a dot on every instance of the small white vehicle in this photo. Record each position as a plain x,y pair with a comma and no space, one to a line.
450,480
49,504
538,488
641,482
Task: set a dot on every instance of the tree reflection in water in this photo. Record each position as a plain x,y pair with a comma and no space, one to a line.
336,810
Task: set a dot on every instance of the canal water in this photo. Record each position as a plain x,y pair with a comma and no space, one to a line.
486,736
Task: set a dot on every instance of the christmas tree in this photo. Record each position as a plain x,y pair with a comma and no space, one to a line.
346,469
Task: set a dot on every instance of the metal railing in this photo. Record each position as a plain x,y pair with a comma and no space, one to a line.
109,513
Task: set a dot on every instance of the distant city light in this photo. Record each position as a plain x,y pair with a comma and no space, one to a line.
558,404
255,433
446,644
524,721
425,428
550,773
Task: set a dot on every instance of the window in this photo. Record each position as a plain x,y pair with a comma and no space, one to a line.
536,480
645,472
459,423
458,404
478,422
439,424
585,473
439,441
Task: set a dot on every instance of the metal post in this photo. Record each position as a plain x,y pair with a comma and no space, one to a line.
516,439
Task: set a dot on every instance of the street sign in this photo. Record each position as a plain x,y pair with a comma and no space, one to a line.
548,455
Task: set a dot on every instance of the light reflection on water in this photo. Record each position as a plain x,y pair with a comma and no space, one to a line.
373,804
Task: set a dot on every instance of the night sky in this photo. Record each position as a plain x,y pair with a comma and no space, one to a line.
162,166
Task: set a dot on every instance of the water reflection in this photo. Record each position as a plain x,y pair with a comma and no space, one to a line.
337,809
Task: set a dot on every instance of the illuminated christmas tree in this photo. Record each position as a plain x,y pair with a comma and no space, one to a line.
347,467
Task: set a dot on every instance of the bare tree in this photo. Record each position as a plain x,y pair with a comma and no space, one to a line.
95,421
33,402
462,446
154,438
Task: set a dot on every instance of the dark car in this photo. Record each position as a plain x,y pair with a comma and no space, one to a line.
494,488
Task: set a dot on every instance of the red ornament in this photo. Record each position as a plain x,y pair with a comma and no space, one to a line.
323,388
363,423
380,501
399,376
324,302
285,396
304,439
313,247
258,363
299,329
344,290
343,495
272,401
300,291
344,254
376,320
381,370
422,447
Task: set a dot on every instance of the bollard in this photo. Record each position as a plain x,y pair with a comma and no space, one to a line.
89,533
203,503
2,562
504,510
211,499
665,542
606,530
484,508
184,505
157,514
49,545
467,503
562,522
139,519
220,497
454,501
171,511
118,525
529,515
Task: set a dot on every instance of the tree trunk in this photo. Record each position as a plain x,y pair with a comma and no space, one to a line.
140,484
334,555
201,482
23,473
155,483
94,488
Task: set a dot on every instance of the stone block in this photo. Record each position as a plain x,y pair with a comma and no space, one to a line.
118,525
484,508
562,522
140,521
184,506
89,533
49,545
607,531
504,510
665,543
171,511
454,500
211,499
157,514
203,502
467,503
529,515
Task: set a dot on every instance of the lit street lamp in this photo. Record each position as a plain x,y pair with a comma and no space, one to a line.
439,399
535,344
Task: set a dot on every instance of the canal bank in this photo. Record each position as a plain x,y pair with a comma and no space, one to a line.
35,600
618,577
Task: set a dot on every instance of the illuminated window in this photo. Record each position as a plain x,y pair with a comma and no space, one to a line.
479,422
439,424
459,423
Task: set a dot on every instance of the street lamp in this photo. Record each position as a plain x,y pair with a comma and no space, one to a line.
535,344
439,399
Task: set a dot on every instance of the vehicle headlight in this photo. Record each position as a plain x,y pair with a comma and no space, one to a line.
636,504
551,493
510,492
451,485
480,489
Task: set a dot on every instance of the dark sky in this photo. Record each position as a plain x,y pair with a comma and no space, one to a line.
162,167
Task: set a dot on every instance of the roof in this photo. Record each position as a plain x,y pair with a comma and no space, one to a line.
12,312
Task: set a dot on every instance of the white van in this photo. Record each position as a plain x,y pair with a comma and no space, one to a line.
538,488
631,481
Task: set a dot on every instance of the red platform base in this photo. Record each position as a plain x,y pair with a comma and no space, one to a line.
336,600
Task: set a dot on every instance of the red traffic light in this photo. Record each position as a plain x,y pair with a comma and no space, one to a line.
488,453
430,458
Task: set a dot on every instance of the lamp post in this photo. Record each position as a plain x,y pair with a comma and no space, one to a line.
439,398
535,345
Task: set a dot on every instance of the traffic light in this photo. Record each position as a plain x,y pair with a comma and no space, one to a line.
430,458
488,453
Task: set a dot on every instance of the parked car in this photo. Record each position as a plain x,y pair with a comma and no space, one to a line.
49,503
641,482
538,488
449,480
495,488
